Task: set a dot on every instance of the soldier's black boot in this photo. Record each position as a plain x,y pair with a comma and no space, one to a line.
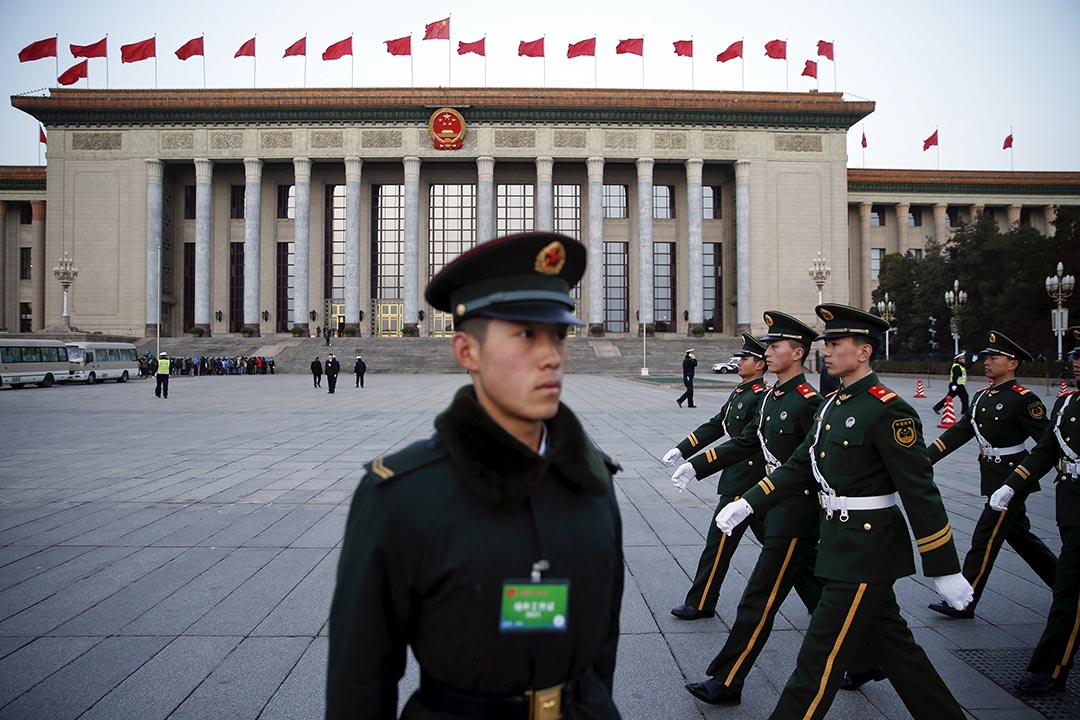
854,681
1039,684
688,612
714,692
949,611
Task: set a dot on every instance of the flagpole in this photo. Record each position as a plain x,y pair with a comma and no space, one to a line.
449,82
485,59
106,65
834,66
352,63
155,62
692,83
1011,149
412,82
56,57
204,61
787,70
595,73
937,145
545,60
305,60
254,66
742,62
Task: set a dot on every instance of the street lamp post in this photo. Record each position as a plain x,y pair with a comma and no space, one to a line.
955,299
819,273
887,311
66,272
1059,287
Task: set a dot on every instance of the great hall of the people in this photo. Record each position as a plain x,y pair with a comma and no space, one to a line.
265,210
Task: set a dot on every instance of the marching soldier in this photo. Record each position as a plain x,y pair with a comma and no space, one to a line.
1059,446
1002,417
787,554
737,412
864,454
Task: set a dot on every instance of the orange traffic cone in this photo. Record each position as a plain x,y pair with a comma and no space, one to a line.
948,415
1064,387
919,390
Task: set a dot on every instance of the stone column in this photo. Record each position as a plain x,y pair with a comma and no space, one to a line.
902,211
411,260
204,170
252,240
864,254
1049,215
595,167
37,259
694,219
1013,216
485,199
301,243
7,277
975,211
353,167
742,246
545,198
939,223
154,172
645,242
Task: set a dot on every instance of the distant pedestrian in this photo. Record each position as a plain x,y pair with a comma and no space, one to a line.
333,367
957,384
162,376
326,335
316,371
359,369
688,364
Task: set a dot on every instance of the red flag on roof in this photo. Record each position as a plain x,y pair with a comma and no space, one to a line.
684,48
534,48
74,73
401,46
864,138
583,48
438,30
191,48
734,50
95,50
632,46
338,50
810,70
297,48
142,50
37,50
1008,142
247,49
471,47
776,49
824,49
930,141
41,135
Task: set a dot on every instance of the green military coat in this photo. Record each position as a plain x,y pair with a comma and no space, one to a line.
787,414
739,410
434,531
870,444
1006,414
1047,453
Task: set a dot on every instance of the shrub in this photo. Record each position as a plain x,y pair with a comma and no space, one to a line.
596,330
650,330
247,331
351,332
410,330
697,331
296,331
197,331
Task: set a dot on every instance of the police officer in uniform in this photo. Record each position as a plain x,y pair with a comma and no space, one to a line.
864,455
161,375
783,419
493,549
689,363
957,384
1058,447
737,412
1002,417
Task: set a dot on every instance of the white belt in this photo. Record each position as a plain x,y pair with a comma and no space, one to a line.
1070,468
838,503
997,453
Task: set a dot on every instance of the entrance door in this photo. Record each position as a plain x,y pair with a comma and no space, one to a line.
389,318
335,315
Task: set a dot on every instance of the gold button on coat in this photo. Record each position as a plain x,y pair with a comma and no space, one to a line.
866,526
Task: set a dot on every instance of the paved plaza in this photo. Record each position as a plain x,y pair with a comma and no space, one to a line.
176,559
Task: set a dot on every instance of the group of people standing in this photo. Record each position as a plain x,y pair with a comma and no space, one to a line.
332,367
204,365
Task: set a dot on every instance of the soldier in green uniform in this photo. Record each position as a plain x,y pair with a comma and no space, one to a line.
1058,447
734,416
864,454
1002,417
787,554
493,549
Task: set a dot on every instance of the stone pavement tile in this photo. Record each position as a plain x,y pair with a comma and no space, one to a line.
970,634
245,522
194,524
249,604
116,532
34,560
39,587
74,688
243,683
69,514
13,514
634,616
285,531
694,652
297,497
184,607
302,695
658,575
327,532
306,609
30,664
648,681
971,688
9,644
1028,633
157,688
636,531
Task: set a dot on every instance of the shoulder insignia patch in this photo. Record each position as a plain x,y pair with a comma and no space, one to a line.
885,395
407,460
1036,410
806,391
1021,389
903,431
758,388
379,468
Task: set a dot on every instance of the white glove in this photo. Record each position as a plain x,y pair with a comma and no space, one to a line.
672,456
1000,499
683,475
956,590
732,514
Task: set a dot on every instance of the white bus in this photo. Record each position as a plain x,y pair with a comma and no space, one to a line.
93,362
42,362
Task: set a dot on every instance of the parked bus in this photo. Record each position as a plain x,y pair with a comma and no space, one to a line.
42,362
93,362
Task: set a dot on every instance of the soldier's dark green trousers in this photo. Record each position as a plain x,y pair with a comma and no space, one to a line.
1056,650
850,615
716,558
1013,527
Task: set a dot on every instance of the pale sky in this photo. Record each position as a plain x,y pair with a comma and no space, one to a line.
970,68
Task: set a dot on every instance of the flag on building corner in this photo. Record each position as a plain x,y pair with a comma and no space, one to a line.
631,46
438,30
776,49
810,70
94,50
472,47
135,52
38,50
247,49
583,48
734,50
825,49
41,135
684,48
191,48
401,46
864,138
338,50
534,48
74,73
298,48
930,141
1008,142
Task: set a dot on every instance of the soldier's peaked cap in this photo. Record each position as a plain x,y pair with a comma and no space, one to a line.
782,326
751,347
1073,336
998,344
522,278
846,321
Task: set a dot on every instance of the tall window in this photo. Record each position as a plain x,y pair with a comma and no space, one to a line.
663,202
26,214
286,202
616,287
189,286
334,266
513,209
711,287
915,253
664,286
568,222
914,217
286,277
189,202
711,207
236,202
388,241
26,318
452,222
877,216
236,286
876,256
615,201
26,263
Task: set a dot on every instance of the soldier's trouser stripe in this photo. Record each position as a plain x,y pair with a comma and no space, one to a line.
836,648
712,573
1068,646
989,549
764,614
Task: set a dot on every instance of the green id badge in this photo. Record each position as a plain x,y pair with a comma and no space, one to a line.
534,607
